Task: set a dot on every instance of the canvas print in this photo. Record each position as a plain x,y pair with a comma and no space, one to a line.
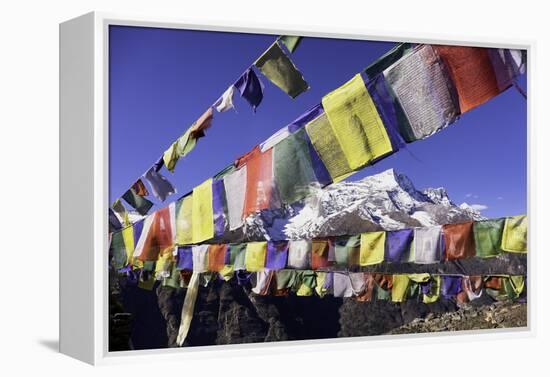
268,188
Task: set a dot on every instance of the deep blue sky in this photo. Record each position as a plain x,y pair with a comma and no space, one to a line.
161,80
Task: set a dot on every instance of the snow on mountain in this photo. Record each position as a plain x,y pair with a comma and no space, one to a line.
385,201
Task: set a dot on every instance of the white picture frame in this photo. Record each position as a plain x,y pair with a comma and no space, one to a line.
84,185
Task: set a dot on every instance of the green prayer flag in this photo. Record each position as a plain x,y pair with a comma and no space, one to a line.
386,60
118,251
141,204
292,168
488,234
290,41
278,68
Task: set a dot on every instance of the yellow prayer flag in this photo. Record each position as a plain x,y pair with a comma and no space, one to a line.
128,237
372,248
356,123
203,213
184,228
326,145
433,296
400,285
255,256
320,278
514,235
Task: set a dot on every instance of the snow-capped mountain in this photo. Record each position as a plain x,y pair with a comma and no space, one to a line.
385,201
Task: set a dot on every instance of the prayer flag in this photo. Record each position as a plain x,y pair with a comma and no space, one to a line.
326,145
200,125
216,257
280,70
121,212
388,59
141,204
320,254
185,258
225,102
427,244
290,41
292,168
202,212
219,207
200,258
255,256
372,248
251,88
299,254
356,123
117,250
235,190
342,285
160,186
514,236
237,256
488,236
159,236
459,240
277,253
398,242
450,286
114,222
259,180
400,285
472,73
421,84
184,218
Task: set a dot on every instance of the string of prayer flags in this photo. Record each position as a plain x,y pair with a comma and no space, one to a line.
141,204
471,72
161,188
225,102
488,235
514,235
356,123
291,42
459,240
421,84
202,212
251,88
279,69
